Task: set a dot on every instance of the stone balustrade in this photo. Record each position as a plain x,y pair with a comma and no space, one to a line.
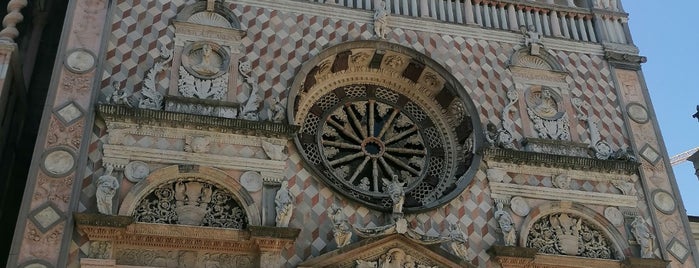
602,22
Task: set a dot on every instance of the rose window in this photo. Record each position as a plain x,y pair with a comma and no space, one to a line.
360,136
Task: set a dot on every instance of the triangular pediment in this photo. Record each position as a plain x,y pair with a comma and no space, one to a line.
393,251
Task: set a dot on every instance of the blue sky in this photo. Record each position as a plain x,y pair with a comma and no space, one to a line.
668,35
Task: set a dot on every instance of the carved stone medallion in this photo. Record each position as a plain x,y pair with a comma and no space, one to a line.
58,162
520,206
637,113
136,171
251,180
80,61
664,201
614,216
545,109
205,60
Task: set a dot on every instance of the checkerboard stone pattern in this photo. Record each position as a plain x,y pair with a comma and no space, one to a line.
279,42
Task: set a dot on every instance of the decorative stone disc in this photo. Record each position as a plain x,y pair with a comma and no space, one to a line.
58,162
614,216
664,201
136,171
520,206
252,181
637,113
360,126
80,61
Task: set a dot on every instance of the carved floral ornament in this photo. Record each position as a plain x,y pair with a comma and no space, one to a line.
364,122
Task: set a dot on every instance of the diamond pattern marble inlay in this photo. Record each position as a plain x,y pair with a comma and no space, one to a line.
69,113
46,217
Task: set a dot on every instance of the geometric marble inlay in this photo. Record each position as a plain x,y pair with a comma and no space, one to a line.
69,113
45,217
650,154
679,250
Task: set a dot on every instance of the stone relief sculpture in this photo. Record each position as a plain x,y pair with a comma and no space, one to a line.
509,235
532,38
204,79
503,136
341,227
100,250
561,181
249,111
107,186
278,111
119,96
381,17
457,245
190,201
545,112
394,257
284,202
274,151
564,234
643,237
152,98
600,148
196,144
395,190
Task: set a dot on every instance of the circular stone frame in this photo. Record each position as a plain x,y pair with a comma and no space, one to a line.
53,150
195,48
436,144
77,54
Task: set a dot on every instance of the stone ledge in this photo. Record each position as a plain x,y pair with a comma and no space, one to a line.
179,120
559,161
503,190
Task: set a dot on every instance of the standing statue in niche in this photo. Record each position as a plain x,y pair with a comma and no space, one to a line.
506,225
395,190
107,186
643,236
284,202
381,21
249,111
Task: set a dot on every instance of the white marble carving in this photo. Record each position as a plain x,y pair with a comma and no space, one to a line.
191,87
614,216
381,17
284,202
59,162
664,201
251,181
192,199
457,245
601,148
544,109
625,187
532,39
107,186
197,144
80,61
119,96
136,171
395,190
562,181
249,111
341,228
520,206
503,136
569,235
278,111
394,257
643,237
274,151
152,98
506,225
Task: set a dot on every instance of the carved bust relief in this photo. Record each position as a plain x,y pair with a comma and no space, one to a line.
545,109
205,60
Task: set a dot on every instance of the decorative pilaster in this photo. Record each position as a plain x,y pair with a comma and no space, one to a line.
271,241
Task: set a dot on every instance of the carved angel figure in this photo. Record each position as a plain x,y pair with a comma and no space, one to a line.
284,202
119,96
381,20
395,189
341,227
531,36
107,185
249,110
458,241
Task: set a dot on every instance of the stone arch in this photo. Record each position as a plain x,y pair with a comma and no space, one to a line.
221,16
361,74
209,174
619,245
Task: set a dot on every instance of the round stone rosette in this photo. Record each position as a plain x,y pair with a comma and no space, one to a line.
368,115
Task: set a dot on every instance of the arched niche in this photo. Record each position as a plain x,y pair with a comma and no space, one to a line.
549,217
208,175
372,110
219,16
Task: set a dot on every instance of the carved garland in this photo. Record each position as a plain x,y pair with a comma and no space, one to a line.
563,234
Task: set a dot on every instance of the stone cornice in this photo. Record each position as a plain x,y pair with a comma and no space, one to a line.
559,161
516,257
112,113
624,60
507,190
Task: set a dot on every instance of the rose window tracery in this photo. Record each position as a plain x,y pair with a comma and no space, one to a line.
189,201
